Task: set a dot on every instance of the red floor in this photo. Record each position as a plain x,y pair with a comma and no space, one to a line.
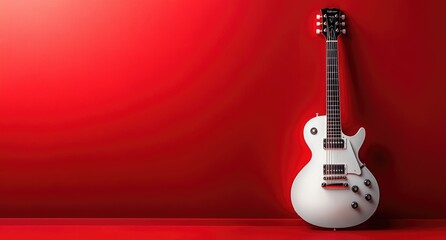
210,229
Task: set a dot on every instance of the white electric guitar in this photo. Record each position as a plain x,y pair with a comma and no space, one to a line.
335,189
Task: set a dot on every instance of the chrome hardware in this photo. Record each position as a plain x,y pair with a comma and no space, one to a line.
313,131
335,185
367,182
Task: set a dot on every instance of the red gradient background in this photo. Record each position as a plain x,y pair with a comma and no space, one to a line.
170,108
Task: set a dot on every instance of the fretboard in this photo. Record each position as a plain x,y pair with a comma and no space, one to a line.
333,100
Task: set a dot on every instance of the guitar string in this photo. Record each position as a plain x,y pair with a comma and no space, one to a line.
336,92
327,89
329,115
328,167
332,123
338,102
338,95
327,160
328,105
331,103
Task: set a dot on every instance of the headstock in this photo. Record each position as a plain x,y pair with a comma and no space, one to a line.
331,23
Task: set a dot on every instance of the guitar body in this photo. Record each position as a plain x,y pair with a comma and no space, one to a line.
331,206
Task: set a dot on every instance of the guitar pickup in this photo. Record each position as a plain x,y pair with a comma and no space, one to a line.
336,143
334,169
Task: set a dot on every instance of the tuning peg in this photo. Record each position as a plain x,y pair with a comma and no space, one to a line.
343,24
344,31
318,24
318,16
342,17
318,31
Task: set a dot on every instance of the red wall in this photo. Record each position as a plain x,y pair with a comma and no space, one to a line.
195,108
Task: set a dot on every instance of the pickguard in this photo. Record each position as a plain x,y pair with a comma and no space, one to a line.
347,156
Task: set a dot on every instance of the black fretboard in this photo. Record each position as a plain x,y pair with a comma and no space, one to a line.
333,100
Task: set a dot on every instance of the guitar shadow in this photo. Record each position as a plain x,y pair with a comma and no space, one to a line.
378,157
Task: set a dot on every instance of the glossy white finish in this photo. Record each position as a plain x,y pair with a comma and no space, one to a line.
331,208
318,31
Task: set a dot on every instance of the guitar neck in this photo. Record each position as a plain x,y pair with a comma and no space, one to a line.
333,98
